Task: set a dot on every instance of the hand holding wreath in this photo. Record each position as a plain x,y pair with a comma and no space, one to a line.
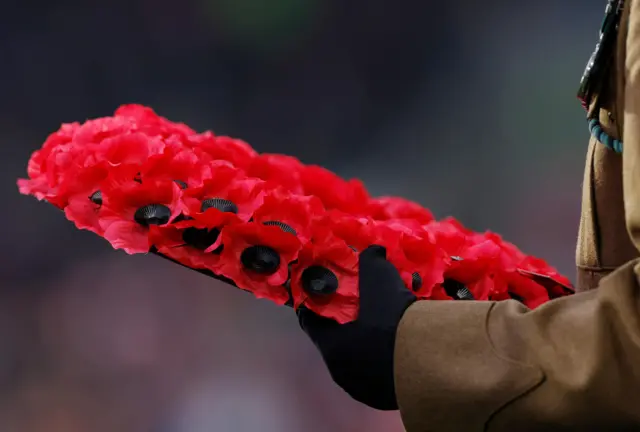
359,354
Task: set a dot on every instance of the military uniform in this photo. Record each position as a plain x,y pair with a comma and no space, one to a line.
573,363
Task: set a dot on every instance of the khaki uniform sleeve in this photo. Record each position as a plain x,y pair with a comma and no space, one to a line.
571,364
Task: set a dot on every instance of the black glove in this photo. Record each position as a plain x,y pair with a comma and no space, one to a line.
359,354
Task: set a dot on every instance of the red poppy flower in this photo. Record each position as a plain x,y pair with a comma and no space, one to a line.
122,155
210,218
542,273
451,224
357,233
533,268
62,137
202,229
82,198
394,240
85,180
38,182
75,149
171,241
150,123
176,164
95,131
334,255
130,207
291,213
224,148
424,264
529,291
128,149
475,267
257,257
37,187
510,257
84,213
508,248
228,186
58,164
449,237
335,192
385,208
278,171
406,226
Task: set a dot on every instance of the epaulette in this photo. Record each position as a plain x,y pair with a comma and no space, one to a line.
597,71
602,57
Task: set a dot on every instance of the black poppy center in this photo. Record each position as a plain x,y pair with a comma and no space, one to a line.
183,185
200,238
96,197
283,226
318,280
152,214
260,259
416,281
457,290
224,205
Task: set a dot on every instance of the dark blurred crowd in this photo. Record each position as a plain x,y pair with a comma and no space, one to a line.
466,107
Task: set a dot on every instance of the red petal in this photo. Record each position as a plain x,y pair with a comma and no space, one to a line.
169,242
278,171
296,211
385,208
533,294
150,122
84,213
129,236
335,192
235,151
132,149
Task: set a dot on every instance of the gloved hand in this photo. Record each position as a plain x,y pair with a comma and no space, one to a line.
359,354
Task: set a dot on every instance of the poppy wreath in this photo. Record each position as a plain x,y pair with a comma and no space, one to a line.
265,223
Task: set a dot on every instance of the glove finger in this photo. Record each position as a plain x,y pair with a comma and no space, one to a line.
373,264
379,281
373,252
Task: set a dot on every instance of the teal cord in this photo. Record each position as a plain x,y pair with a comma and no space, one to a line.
598,133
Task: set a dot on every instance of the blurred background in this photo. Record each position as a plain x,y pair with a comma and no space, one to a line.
467,107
